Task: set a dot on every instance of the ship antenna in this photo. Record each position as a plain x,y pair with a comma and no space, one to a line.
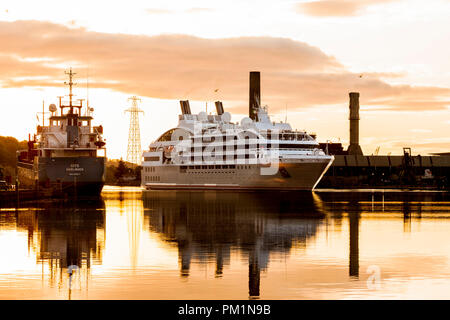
285,117
60,104
43,111
87,92
71,74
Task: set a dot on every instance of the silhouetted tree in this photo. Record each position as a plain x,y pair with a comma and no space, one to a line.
121,170
137,173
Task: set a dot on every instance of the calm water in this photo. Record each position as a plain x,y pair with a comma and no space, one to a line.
224,245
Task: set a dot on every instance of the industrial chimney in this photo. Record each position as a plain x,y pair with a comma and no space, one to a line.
219,107
354,148
255,94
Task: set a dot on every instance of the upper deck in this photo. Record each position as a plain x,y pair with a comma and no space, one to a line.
69,131
200,136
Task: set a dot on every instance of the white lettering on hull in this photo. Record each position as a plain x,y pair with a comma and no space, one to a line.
74,169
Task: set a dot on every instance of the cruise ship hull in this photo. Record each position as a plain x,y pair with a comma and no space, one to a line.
71,175
289,176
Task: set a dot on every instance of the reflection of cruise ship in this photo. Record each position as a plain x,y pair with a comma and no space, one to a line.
64,157
211,152
208,227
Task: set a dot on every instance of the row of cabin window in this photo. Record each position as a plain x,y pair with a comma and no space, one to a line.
151,158
224,147
287,136
70,122
74,122
220,138
258,145
150,169
228,157
167,136
152,178
235,157
250,145
216,166
250,135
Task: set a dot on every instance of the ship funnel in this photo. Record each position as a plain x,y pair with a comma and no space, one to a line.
254,94
354,148
219,107
185,107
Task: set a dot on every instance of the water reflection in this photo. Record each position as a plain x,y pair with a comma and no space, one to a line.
206,227
353,220
128,202
354,204
67,238
136,245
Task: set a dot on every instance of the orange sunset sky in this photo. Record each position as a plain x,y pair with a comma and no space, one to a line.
396,53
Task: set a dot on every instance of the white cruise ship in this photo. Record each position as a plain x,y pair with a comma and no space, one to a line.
211,152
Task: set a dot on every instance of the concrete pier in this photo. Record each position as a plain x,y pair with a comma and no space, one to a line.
352,169
355,171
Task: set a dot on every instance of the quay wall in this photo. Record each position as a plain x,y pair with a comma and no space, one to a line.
354,171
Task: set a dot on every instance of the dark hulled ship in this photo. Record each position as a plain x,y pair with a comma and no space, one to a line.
67,156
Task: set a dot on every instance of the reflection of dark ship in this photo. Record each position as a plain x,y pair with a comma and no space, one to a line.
205,225
63,156
68,239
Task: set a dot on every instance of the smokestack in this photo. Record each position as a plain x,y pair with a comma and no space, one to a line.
219,107
354,148
255,94
185,107
182,106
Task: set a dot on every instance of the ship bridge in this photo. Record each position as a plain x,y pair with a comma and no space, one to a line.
69,130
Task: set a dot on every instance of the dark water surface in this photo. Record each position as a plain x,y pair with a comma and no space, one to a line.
224,245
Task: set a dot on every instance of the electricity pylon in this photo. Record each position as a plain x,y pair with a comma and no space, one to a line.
134,152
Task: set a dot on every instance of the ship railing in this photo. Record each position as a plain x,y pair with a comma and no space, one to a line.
75,104
187,117
287,137
41,130
53,129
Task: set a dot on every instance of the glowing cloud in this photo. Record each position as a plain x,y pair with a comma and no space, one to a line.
181,66
336,8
